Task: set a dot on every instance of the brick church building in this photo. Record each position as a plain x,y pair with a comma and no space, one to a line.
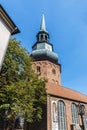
66,109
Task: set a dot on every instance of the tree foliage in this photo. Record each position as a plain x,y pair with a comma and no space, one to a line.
21,90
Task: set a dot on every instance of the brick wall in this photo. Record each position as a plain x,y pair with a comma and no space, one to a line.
49,70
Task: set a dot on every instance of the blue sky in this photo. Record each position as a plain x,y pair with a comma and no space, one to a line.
66,22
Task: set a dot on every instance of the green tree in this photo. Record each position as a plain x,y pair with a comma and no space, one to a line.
22,92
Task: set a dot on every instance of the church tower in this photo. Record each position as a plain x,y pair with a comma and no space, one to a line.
66,109
45,59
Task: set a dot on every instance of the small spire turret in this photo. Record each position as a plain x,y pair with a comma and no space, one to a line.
43,26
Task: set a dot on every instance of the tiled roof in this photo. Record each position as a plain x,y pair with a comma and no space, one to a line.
65,93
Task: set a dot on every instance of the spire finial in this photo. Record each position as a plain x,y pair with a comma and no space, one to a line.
43,26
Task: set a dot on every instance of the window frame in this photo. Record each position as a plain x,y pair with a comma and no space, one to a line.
62,124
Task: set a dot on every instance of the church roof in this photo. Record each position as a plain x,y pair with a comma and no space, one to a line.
43,54
66,93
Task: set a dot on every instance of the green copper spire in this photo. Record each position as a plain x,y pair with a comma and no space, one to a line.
43,26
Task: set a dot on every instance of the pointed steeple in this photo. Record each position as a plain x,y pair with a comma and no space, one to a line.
43,26
43,49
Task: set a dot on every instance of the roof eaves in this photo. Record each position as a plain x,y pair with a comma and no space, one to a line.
8,21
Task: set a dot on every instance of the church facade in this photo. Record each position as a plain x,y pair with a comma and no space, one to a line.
66,109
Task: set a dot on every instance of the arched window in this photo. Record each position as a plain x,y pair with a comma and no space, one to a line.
53,71
41,37
61,116
84,117
74,112
46,37
38,69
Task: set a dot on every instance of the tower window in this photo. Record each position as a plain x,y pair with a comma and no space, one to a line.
41,37
53,71
38,69
46,37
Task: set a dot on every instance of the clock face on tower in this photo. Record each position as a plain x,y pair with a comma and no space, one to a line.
48,47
